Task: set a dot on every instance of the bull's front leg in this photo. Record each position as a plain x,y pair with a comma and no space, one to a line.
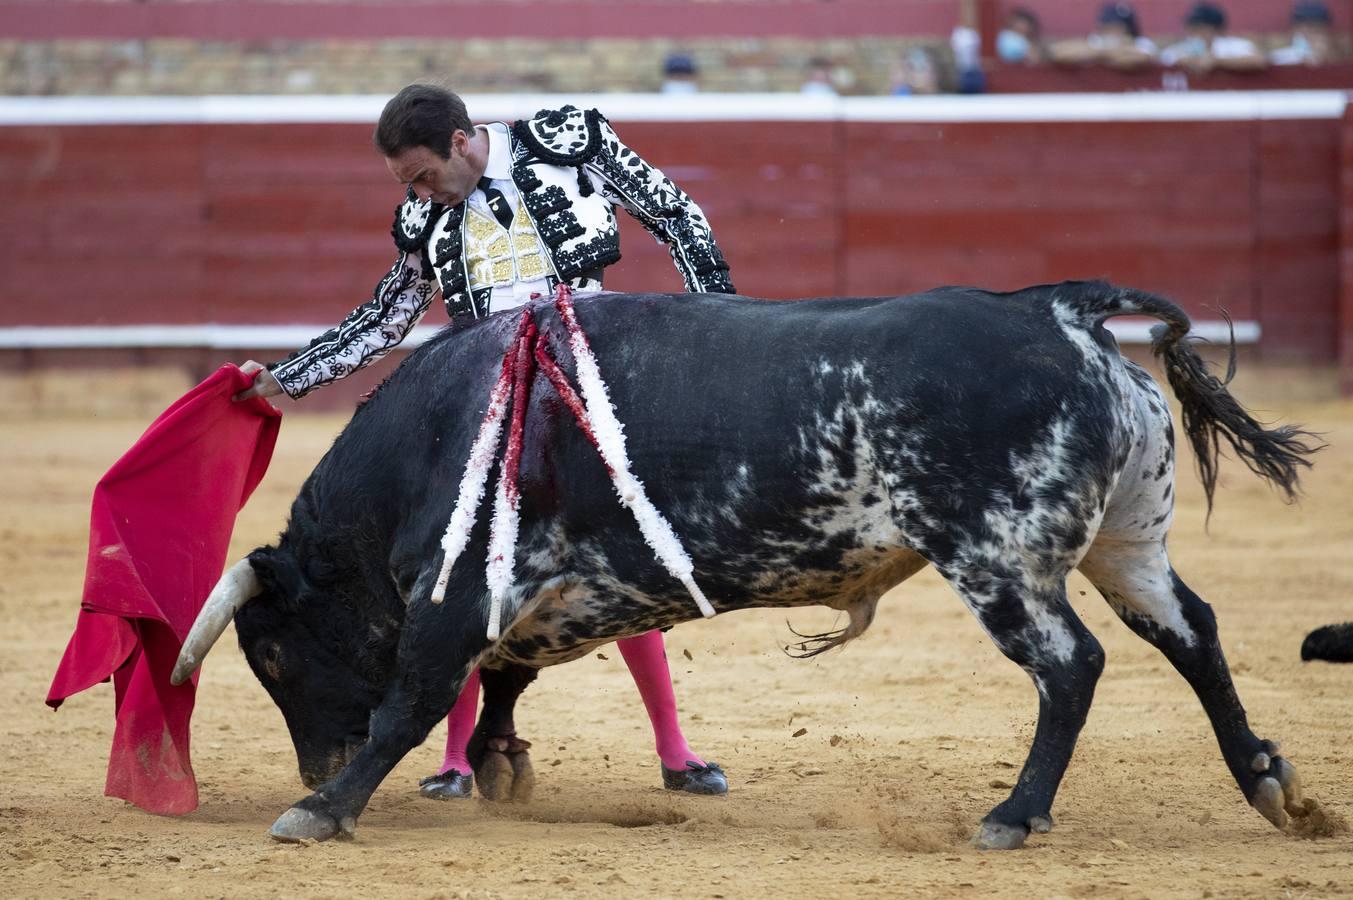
435,659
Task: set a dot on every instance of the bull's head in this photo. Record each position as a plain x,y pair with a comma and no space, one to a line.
317,660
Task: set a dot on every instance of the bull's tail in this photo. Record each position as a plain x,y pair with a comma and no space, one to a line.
1210,415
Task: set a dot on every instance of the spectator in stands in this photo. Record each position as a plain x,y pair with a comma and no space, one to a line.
1312,37
819,80
1209,47
680,75
916,74
1021,40
966,42
1117,42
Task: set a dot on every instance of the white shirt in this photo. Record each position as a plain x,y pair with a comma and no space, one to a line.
967,46
1299,52
499,173
1224,46
1143,43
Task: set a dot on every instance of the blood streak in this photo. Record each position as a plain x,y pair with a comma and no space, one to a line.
523,366
506,520
559,381
595,416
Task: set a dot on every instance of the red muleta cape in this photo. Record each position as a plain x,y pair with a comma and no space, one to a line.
158,536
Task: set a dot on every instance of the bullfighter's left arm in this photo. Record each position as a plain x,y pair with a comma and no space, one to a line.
670,215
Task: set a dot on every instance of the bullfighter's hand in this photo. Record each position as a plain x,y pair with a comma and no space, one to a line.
265,385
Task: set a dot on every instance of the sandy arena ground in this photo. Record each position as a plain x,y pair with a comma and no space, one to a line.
860,773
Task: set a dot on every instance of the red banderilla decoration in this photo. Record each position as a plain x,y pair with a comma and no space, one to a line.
595,416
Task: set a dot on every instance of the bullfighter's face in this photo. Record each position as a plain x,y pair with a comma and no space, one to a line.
446,181
322,669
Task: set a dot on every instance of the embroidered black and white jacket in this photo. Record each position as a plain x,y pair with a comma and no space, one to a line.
571,170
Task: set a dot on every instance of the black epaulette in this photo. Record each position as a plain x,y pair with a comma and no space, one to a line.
563,137
414,221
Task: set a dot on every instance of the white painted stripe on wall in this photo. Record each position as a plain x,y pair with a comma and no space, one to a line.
1201,106
211,336
782,107
290,337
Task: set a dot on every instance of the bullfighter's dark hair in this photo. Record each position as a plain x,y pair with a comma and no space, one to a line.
421,115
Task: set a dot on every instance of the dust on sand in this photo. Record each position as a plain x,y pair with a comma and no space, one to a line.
904,741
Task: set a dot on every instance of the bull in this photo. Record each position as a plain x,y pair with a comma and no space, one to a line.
810,452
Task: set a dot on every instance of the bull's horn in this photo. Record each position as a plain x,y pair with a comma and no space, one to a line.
237,586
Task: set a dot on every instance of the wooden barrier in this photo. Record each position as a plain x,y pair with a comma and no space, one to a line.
1021,79
284,223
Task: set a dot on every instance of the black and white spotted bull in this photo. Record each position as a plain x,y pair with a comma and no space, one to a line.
810,452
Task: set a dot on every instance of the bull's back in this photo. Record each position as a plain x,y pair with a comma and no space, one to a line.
708,383
725,401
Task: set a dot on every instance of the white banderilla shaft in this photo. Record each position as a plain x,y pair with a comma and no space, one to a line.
472,483
609,436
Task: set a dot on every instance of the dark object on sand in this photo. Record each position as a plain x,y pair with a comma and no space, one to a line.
1332,643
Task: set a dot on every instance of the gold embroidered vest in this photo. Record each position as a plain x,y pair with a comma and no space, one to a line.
498,257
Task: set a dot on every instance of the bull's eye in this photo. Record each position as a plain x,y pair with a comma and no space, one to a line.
272,661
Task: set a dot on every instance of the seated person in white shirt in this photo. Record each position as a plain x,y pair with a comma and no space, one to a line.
1209,47
1117,42
1312,37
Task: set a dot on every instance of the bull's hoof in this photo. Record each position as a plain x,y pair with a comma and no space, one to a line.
1277,794
297,825
505,773
1040,824
523,777
706,780
450,785
495,777
995,836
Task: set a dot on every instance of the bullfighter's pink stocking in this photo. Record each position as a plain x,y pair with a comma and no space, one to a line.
459,727
647,661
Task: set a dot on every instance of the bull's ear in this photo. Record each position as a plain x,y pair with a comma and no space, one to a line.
278,574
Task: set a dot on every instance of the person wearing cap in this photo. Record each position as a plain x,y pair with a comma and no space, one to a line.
1117,42
1312,37
1209,47
679,75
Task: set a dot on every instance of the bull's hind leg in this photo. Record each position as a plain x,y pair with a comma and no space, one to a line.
500,759
1038,630
1137,581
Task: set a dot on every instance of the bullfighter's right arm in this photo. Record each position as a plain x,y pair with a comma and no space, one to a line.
368,333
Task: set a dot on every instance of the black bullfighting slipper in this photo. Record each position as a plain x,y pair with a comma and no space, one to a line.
696,779
450,785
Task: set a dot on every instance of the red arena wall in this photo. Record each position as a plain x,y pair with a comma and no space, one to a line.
273,19
276,223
